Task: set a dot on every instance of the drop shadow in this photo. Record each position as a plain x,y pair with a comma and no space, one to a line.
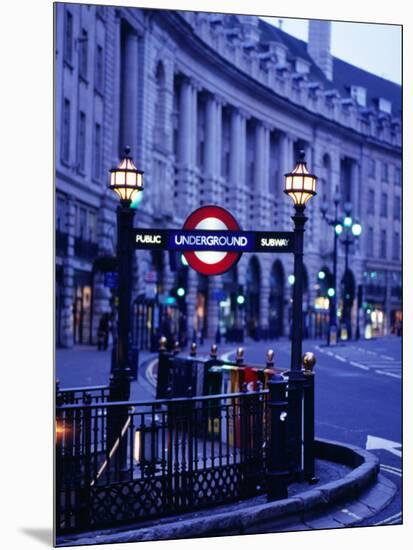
43,535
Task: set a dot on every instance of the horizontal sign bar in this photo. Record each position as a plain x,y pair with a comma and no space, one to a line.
214,241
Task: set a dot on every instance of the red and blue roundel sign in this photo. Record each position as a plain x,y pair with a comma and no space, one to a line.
211,218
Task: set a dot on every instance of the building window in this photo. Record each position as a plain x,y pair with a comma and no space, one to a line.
384,105
383,209
397,208
396,246
92,226
370,204
80,223
85,224
66,131
200,138
81,142
359,94
99,69
97,152
383,244
226,144
372,168
384,172
68,37
370,242
397,176
60,214
83,44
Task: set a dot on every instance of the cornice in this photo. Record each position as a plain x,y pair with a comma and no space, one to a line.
183,33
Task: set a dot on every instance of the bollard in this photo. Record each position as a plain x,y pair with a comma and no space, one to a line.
270,359
239,358
309,361
192,352
176,348
277,476
162,344
214,351
164,367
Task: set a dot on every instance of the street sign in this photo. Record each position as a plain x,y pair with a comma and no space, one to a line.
211,240
212,260
220,241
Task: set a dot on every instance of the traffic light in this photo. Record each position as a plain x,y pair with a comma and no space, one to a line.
240,299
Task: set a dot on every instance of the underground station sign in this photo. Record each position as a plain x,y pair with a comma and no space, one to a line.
212,241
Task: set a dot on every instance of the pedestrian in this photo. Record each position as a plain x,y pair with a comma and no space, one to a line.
103,332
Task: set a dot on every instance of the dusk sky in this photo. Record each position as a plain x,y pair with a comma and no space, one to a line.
373,47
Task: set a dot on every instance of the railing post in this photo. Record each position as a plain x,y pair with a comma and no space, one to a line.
86,444
277,475
163,368
309,361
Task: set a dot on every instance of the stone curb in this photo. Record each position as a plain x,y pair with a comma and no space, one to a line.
365,473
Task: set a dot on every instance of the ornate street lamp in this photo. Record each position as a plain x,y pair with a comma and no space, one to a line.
300,185
127,182
338,229
352,231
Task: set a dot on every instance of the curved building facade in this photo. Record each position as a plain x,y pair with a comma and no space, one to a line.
215,108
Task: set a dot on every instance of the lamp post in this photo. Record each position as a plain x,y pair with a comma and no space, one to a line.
127,182
300,186
352,230
334,222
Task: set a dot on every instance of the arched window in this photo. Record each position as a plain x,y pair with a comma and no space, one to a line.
326,181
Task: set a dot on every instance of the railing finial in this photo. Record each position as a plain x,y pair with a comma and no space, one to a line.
309,360
239,358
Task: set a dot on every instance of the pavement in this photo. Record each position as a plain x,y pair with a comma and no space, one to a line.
358,402
343,496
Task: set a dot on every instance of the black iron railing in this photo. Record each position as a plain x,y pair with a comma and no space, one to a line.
82,395
167,456
195,446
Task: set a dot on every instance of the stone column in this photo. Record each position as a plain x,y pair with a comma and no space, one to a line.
185,146
355,189
210,137
237,165
235,159
262,198
68,279
210,165
242,192
287,164
264,299
260,158
129,102
218,134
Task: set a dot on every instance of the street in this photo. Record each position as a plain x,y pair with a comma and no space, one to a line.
358,401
